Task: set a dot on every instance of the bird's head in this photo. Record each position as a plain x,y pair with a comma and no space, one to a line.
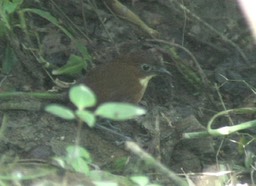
145,65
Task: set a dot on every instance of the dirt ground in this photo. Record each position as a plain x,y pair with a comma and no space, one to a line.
222,76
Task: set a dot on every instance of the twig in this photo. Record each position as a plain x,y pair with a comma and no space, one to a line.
182,7
201,72
133,147
123,12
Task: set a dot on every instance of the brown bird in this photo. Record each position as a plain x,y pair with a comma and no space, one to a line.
126,78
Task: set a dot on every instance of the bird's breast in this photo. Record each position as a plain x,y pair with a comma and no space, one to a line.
118,83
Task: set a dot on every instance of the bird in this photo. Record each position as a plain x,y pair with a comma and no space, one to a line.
126,78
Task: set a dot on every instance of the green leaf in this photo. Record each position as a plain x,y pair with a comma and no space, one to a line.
49,17
140,180
78,158
61,161
10,60
86,117
105,183
60,111
120,164
80,165
77,151
74,66
249,159
11,7
119,111
3,27
83,50
82,96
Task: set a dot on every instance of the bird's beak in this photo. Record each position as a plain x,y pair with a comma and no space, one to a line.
164,71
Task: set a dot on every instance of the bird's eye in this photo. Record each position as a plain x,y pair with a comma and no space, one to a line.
146,67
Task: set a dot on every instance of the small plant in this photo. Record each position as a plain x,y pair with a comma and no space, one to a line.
7,9
77,158
83,98
14,15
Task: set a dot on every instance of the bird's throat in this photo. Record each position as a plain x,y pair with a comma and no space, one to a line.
144,81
